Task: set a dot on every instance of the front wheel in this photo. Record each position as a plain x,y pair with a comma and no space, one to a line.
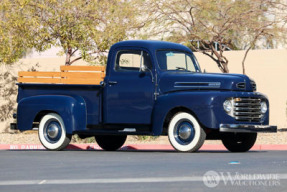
52,132
110,142
239,142
185,133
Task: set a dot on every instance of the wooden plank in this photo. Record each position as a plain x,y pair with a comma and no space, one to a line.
81,75
82,68
39,80
38,74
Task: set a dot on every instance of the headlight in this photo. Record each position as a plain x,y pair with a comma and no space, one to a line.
227,105
263,107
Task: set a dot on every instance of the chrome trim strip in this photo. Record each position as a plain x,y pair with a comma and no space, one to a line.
248,113
198,84
128,130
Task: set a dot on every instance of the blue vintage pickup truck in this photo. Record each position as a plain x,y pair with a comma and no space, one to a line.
147,88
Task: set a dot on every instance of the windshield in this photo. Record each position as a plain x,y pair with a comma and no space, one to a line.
176,60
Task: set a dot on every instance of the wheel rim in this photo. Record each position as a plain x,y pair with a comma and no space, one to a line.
52,131
184,132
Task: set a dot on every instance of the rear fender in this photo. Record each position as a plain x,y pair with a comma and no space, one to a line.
72,109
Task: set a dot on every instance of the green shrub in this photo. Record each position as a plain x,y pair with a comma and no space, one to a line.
146,138
77,139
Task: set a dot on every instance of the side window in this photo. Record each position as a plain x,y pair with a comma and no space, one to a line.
130,60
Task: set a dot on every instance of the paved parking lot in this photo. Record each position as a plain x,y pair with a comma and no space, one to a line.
143,171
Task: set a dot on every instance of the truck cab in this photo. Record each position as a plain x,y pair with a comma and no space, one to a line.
148,88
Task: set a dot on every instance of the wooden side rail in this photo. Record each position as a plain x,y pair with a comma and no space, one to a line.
69,75
83,68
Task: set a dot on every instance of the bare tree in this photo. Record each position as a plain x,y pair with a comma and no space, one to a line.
212,26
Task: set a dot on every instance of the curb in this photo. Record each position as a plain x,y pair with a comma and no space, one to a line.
131,147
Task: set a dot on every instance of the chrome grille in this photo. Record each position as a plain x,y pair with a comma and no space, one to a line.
247,109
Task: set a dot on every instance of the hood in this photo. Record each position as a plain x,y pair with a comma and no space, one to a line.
178,81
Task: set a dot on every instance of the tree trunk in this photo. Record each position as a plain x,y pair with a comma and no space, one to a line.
222,62
68,56
243,61
225,66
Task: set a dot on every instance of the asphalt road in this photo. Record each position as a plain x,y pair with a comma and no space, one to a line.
142,171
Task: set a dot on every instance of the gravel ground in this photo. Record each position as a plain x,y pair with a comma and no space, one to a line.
31,137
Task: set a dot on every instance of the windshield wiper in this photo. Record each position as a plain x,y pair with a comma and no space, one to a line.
181,68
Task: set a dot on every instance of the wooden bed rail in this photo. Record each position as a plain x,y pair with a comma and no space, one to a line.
91,75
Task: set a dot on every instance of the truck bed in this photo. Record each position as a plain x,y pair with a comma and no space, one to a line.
90,93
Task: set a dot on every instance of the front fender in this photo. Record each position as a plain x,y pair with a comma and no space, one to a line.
200,103
72,109
207,107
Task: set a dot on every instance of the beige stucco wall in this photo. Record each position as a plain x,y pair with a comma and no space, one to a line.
269,70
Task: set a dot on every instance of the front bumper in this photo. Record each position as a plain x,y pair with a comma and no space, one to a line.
237,128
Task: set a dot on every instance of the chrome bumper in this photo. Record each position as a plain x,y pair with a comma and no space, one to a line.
247,128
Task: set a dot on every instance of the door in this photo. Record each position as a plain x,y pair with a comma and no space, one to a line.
129,93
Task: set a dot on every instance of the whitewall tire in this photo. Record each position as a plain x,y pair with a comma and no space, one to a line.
52,132
185,133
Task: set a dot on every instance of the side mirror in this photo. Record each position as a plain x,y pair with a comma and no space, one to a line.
143,68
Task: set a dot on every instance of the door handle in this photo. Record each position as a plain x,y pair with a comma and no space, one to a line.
112,82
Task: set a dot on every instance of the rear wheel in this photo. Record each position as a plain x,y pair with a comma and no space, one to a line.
52,132
185,133
110,142
239,142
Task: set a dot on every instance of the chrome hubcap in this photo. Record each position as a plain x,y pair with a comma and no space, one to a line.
184,131
53,131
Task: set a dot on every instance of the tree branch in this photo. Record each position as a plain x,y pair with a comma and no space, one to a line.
75,60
